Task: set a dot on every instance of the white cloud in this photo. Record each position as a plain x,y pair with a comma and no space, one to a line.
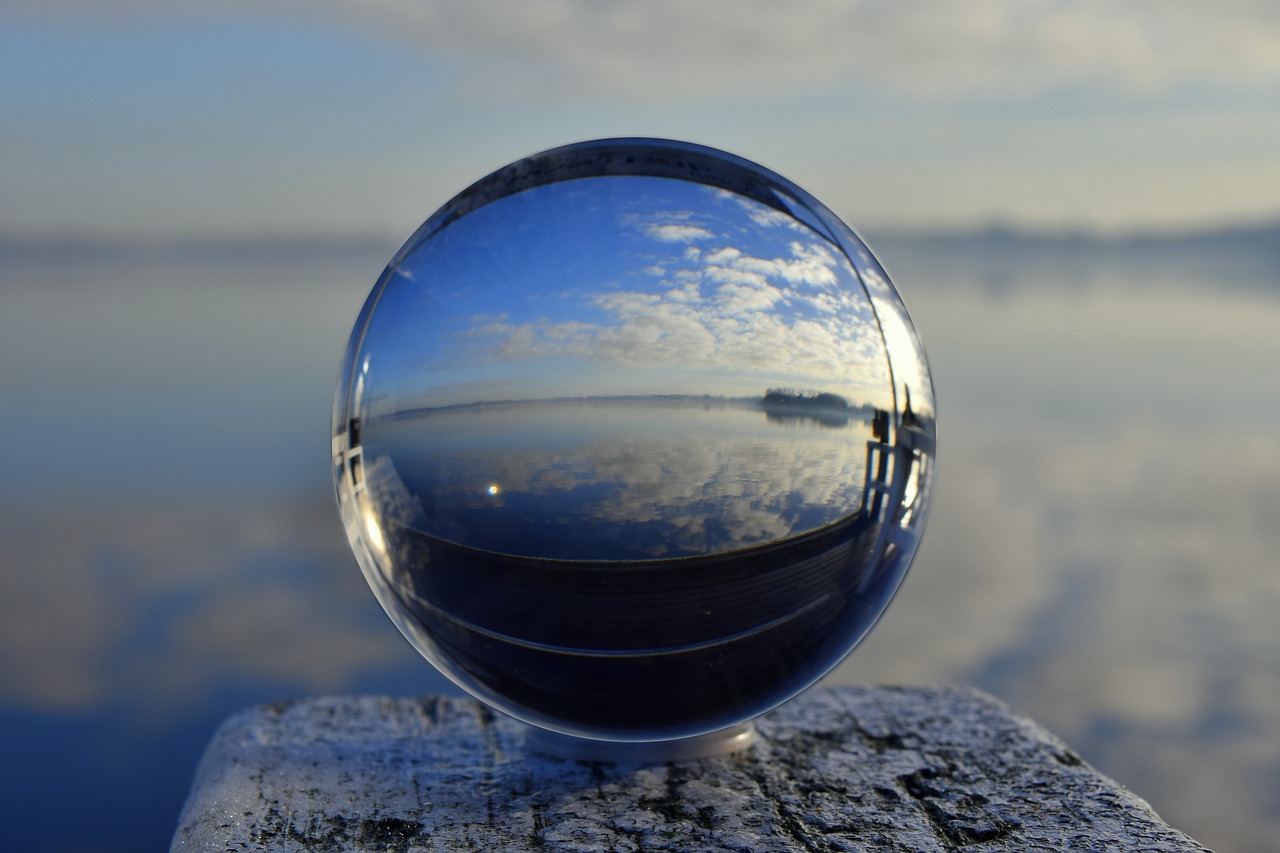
745,297
576,48
726,255
810,264
729,275
767,217
688,292
674,233
721,311
717,48
823,302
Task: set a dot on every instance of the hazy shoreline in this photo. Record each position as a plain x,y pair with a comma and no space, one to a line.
1261,234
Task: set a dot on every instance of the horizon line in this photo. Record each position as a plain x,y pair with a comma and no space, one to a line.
989,228
706,397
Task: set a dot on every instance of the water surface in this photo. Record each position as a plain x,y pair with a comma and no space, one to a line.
616,478
1101,551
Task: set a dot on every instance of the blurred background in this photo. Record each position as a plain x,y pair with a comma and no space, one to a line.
1079,202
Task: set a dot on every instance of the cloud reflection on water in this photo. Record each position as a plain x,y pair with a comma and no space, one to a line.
155,604
1101,551
653,476
1126,601
1102,547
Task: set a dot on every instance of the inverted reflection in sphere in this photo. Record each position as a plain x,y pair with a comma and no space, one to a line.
633,440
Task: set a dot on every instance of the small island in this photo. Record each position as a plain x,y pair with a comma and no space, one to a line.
790,405
801,400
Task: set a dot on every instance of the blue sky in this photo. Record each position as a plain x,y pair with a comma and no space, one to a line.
623,286
147,119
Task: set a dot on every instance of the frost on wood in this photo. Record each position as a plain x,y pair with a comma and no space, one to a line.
837,769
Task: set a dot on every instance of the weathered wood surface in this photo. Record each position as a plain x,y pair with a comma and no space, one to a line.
838,769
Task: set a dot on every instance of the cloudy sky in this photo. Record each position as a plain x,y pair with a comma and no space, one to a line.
148,118
635,286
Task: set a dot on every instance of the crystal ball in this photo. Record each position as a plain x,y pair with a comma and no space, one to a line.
633,440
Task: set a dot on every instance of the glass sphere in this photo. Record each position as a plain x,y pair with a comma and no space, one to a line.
633,440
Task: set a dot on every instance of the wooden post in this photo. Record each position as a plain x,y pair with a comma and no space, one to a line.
837,769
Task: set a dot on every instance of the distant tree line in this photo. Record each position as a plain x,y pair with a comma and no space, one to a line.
803,399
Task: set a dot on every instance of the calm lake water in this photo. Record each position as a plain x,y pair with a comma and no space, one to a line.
610,479
1101,551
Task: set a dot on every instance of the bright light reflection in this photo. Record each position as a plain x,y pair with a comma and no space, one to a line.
375,533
